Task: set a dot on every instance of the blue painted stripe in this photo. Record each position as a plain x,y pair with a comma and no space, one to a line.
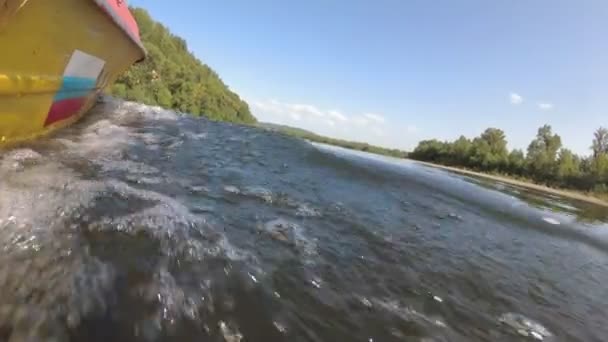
71,94
72,83
74,87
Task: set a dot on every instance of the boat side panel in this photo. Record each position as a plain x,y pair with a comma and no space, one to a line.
39,44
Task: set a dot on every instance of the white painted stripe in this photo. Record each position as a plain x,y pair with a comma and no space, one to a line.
84,65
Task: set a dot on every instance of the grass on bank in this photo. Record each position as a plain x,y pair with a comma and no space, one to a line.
599,198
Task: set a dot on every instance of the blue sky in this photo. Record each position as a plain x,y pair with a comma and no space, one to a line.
393,72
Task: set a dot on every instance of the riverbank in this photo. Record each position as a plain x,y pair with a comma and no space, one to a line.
577,195
592,198
351,145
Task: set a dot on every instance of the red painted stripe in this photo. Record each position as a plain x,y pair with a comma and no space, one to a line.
119,10
64,109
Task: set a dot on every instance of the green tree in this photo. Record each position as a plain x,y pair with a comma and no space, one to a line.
542,154
172,77
460,151
119,89
599,168
138,93
489,151
516,162
480,154
600,141
546,160
497,142
163,96
568,166
430,150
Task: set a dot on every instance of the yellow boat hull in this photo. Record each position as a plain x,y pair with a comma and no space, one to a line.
55,59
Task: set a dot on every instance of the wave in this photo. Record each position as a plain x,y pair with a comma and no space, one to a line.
500,205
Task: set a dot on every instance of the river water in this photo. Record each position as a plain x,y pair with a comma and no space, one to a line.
139,224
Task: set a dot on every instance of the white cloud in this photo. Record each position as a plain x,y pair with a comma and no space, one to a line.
373,128
360,121
375,117
379,132
516,99
312,114
269,106
545,106
305,109
334,114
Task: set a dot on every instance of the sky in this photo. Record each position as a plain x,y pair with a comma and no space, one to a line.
394,72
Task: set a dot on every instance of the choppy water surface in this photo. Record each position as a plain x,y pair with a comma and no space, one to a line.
142,225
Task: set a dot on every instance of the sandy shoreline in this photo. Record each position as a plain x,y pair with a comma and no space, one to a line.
565,193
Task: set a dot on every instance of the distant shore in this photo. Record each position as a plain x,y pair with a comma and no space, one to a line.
357,146
589,198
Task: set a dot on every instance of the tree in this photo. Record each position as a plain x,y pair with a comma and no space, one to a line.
516,162
481,155
138,93
460,151
600,141
430,150
599,168
163,96
568,165
489,150
542,154
496,140
119,89
172,77
546,160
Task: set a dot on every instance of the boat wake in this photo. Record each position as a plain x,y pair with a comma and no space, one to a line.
142,224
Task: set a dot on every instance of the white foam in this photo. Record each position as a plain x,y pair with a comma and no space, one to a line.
101,138
551,220
259,192
253,278
20,155
194,136
232,189
537,335
42,194
407,313
524,325
366,302
280,327
44,211
133,167
293,235
230,334
304,210
172,222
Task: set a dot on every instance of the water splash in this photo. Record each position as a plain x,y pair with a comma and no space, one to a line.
144,224
525,326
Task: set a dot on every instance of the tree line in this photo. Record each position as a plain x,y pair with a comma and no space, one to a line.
353,145
173,78
546,161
